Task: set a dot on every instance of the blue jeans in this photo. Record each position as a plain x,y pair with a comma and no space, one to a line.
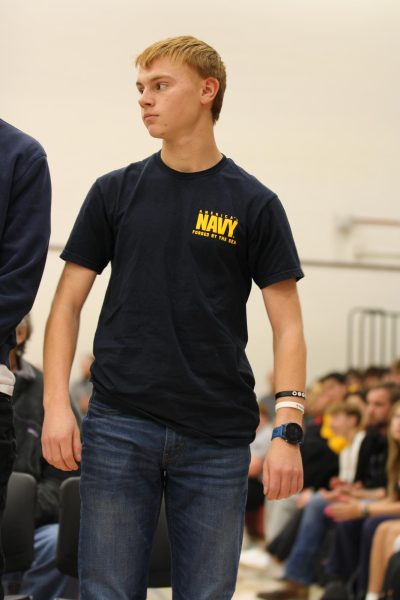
128,462
43,581
300,565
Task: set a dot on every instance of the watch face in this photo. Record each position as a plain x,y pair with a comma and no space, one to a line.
294,433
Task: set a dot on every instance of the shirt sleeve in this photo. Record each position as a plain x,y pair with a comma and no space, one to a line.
91,243
272,253
23,247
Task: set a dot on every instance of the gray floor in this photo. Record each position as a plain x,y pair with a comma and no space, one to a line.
249,583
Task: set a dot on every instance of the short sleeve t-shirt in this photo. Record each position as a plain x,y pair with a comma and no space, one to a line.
184,249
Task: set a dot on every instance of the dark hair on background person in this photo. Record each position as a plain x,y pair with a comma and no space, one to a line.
339,377
393,390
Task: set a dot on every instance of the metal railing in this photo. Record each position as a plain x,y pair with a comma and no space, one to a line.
372,337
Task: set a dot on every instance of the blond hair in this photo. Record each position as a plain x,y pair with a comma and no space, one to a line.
346,408
188,50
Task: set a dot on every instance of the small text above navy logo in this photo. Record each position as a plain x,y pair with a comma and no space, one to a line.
216,225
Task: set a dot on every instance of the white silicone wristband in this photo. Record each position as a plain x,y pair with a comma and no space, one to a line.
289,404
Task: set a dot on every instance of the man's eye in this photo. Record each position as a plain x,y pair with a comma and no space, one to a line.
161,86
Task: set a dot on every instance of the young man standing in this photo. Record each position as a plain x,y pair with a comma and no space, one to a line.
173,409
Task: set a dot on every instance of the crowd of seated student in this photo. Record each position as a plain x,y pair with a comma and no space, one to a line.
329,532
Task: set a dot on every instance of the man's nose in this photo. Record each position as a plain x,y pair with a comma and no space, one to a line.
146,99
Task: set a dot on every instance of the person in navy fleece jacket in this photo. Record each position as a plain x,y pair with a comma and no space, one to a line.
25,197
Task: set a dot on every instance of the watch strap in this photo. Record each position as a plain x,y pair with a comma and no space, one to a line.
280,431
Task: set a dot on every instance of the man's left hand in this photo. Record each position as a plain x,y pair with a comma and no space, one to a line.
283,470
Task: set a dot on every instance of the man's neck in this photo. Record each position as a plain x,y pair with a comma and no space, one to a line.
191,155
352,434
382,429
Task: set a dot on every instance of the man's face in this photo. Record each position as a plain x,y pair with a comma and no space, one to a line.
342,424
395,425
378,407
170,99
333,390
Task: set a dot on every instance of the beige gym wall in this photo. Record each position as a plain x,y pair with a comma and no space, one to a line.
312,109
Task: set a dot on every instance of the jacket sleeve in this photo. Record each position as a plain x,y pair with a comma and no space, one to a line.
23,247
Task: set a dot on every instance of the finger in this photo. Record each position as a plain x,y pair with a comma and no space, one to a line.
59,454
67,455
337,515
294,484
45,451
265,479
274,485
51,453
290,481
285,477
300,481
77,446
55,457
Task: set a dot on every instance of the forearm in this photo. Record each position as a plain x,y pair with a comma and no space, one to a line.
290,369
60,437
284,312
283,471
366,494
378,509
62,332
59,349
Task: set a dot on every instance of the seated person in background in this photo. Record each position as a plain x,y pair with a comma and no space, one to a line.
299,571
354,380
384,545
358,515
255,493
394,373
43,581
320,437
359,399
347,421
81,389
373,376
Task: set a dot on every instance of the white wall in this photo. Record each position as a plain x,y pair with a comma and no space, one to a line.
312,109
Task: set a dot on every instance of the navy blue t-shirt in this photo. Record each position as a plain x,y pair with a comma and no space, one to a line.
184,248
25,199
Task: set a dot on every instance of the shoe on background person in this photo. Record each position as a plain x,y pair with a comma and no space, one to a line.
289,591
255,557
260,560
336,590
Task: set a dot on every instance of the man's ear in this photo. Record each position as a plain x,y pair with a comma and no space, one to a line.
209,90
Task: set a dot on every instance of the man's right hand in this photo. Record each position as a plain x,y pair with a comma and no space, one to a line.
61,439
